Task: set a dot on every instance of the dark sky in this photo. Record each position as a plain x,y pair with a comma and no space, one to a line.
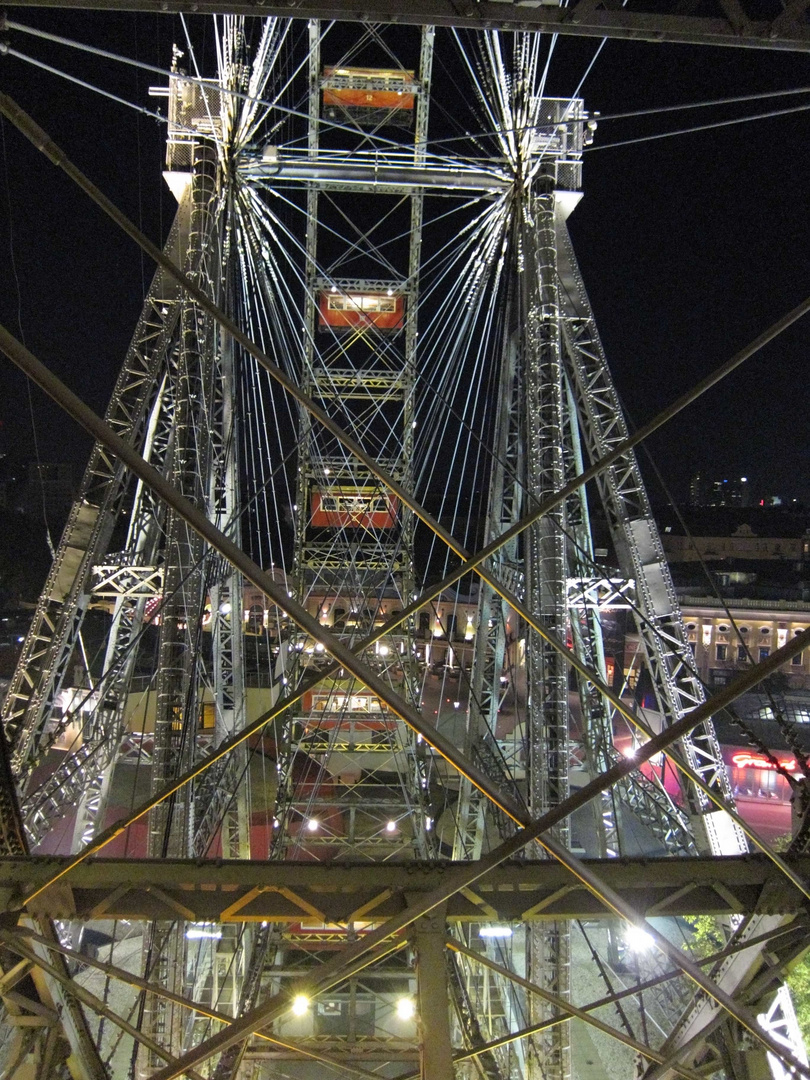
689,246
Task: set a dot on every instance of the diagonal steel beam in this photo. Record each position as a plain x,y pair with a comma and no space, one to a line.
22,934
791,17
582,19
569,1010
631,991
476,563
253,573
348,660
342,966
88,999
736,16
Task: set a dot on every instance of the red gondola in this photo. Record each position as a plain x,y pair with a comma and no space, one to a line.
377,95
341,310
353,508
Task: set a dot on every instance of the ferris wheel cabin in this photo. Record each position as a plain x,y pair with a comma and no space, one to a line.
343,507
339,310
369,97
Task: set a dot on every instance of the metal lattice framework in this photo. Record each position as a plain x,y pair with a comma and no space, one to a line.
358,359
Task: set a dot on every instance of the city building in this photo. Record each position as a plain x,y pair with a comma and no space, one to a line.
727,639
724,492
732,538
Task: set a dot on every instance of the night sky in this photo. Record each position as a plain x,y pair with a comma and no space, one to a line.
690,246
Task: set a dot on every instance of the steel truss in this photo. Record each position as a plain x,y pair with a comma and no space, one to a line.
362,770
728,22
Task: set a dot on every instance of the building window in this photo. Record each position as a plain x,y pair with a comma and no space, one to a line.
742,654
796,660
764,654
764,630
723,628
743,629
721,652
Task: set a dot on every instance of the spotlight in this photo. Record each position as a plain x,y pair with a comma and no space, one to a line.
300,1005
406,1010
203,930
637,939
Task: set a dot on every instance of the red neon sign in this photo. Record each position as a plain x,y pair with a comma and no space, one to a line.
743,759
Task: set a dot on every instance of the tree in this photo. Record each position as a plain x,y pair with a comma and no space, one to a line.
708,938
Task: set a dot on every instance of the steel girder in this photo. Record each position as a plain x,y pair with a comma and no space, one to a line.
640,552
240,891
545,564
56,623
644,796
730,23
656,612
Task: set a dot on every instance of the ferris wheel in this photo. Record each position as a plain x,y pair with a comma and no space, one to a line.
387,388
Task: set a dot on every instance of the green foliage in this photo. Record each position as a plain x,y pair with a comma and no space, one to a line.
798,980
708,936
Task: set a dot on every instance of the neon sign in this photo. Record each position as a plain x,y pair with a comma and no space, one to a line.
743,759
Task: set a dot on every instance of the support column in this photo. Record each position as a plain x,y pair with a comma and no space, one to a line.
548,944
436,1055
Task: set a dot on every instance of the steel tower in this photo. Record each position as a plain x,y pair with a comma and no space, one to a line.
379,356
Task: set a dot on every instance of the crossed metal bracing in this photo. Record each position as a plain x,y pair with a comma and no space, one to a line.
497,313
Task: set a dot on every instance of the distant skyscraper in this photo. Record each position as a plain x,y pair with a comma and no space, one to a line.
703,492
697,488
